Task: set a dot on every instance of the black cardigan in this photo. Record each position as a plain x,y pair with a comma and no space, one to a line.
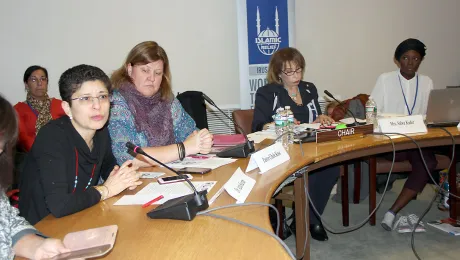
48,179
265,106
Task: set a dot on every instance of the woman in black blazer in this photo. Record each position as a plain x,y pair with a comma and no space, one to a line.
286,88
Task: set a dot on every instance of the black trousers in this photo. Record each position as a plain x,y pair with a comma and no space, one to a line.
418,178
320,184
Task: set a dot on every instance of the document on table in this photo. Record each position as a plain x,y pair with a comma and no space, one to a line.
169,191
351,120
201,161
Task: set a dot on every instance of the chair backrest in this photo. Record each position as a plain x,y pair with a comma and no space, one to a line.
244,119
193,103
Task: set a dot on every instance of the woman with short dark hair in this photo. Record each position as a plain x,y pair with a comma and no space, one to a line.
72,154
405,92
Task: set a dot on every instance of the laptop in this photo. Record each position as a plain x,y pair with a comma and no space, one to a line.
443,107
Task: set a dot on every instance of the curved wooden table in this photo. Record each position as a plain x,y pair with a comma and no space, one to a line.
208,238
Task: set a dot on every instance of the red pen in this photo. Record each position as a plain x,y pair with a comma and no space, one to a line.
152,201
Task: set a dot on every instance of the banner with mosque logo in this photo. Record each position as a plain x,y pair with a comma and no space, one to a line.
264,26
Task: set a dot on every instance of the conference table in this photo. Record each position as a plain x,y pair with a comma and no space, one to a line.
210,238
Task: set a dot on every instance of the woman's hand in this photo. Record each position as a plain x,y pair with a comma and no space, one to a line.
206,141
296,122
121,178
192,143
324,120
268,125
49,248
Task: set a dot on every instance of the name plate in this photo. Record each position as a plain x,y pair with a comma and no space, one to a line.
239,186
403,125
340,134
268,158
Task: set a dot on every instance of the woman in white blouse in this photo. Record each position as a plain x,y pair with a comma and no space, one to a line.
406,92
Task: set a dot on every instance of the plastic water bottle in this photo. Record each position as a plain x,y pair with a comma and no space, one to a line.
371,112
290,124
280,126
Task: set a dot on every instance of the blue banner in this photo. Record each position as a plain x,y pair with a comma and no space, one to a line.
264,26
268,28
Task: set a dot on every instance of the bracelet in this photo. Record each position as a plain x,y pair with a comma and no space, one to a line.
99,189
182,146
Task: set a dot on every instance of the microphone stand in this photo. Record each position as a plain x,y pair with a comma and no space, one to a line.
181,208
237,151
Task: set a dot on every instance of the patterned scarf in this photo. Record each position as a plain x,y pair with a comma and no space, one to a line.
42,107
152,115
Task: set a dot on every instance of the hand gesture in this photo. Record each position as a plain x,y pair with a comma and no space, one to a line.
122,177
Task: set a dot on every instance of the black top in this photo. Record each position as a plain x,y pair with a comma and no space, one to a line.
48,179
272,96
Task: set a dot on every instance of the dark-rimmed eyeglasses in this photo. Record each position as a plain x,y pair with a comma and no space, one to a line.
291,72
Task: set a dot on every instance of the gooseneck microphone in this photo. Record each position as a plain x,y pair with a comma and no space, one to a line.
182,208
341,104
237,151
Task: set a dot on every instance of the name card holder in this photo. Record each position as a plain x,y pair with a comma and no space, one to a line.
352,132
403,125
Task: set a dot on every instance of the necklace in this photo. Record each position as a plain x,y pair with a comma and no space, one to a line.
293,95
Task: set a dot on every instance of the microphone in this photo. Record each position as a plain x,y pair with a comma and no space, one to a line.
181,208
341,104
237,151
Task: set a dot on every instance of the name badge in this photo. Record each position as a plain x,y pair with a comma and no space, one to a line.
239,186
403,125
268,158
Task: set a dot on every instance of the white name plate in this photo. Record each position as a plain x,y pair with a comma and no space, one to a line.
268,158
403,125
239,186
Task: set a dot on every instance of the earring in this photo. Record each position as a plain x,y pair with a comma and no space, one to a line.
70,117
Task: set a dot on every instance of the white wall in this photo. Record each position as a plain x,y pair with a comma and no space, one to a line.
347,44
199,37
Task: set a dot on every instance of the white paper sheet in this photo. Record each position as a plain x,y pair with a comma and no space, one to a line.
169,191
151,175
201,162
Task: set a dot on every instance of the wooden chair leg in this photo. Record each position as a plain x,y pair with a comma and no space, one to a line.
301,204
345,206
357,179
372,187
280,208
453,188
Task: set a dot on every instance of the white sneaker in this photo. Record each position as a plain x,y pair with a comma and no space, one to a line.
387,222
403,225
413,219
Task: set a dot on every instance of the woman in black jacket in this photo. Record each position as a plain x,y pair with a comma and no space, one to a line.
72,155
286,88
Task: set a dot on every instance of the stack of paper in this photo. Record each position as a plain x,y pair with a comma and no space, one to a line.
169,191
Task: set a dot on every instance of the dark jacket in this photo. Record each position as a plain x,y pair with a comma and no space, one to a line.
48,181
272,96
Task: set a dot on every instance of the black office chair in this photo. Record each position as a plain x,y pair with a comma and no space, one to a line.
194,104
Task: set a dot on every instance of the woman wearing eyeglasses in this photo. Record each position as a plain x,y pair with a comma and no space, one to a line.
286,88
71,154
38,109
145,112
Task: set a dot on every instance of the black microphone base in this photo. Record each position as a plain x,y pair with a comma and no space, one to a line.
182,208
237,151
355,124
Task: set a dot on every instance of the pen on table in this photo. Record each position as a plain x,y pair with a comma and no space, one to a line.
152,201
